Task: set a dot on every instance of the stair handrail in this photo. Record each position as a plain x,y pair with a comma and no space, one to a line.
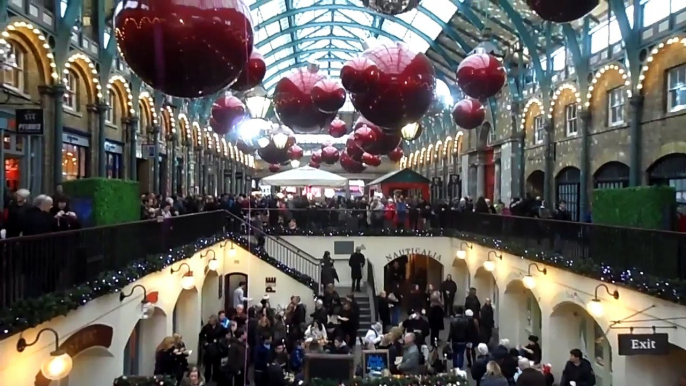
372,286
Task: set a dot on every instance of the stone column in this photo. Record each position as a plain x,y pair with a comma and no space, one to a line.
549,158
155,131
58,91
187,167
132,127
480,177
198,169
585,123
49,138
517,156
101,110
496,185
635,141
174,142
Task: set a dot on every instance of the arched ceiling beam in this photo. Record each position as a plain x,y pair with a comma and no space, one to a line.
314,39
333,7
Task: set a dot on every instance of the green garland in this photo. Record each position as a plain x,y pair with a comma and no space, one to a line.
135,380
428,380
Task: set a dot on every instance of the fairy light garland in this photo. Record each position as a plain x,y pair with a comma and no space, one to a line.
86,61
558,93
183,124
24,26
652,55
438,147
448,142
196,133
607,69
147,98
129,96
429,153
525,111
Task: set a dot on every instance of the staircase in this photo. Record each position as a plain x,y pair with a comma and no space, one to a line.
362,299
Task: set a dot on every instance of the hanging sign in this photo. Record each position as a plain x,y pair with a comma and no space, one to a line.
413,251
643,344
30,121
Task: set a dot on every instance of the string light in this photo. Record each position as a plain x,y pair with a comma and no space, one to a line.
565,87
616,68
529,104
448,141
653,53
84,60
129,97
24,26
429,153
149,102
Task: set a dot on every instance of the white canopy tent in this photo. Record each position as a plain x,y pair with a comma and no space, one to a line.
305,176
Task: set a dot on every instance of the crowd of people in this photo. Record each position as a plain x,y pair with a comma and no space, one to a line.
27,216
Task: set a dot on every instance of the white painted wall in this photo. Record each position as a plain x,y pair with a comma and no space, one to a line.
20,369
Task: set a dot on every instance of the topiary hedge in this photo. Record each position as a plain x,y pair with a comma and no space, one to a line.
103,201
651,207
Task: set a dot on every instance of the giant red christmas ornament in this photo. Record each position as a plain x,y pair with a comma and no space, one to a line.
364,136
295,152
481,76
274,168
313,165
187,49
328,95
379,141
351,147
351,165
371,160
330,155
252,73
227,111
562,11
469,114
359,74
403,91
396,154
316,157
293,102
272,154
337,128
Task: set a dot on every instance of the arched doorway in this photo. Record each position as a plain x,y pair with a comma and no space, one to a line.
657,369
187,320
534,183
211,302
486,288
463,278
575,328
523,313
568,185
404,272
232,281
82,372
139,352
670,170
611,175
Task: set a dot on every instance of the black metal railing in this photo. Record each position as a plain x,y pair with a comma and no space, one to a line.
372,286
35,265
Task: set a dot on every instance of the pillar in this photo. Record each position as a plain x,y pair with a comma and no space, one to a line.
156,162
58,117
47,147
497,184
101,110
636,104
174,142
480,177
585,116
132,127
549,158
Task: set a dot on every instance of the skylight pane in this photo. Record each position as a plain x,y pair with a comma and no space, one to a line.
444,9
384,40
429,27
260,35
269,60
359,17
281,40
408,16
394,29
416,43
273,29
340,31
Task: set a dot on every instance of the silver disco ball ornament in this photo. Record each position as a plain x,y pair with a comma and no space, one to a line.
391,7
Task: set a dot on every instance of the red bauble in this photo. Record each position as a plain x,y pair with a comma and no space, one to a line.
252,73
469,114
316,157
351,165
383,141
295,152
364,135
396,154
313,165
481,76
352,149
337,128
293,102
359,75
227,111
371,160
328,95
274,168
330,155
272,154
187,49
403,91
562,11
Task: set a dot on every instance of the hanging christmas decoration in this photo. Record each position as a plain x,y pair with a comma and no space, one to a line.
314,165
295,152
469,114
364,136
252,74
189,59
316,157
481,76
328,95
411,131
351,165
396,154
351,147
227,111
380,141
274,168
330,155
338,128
562,11
294,105
359,74
273,155
371,160
391,7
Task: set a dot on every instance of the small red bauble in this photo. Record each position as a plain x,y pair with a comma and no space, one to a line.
337,128
481,76
396,155
403,91
313,165
274,168
352,149
187,49
272,154
328,95
316,157
227,111
383,141
351,165
469,114
359,75
330,155
252,74
371,160
293,102
562,11
364,136
295,152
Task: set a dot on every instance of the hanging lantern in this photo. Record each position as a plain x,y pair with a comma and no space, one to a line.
295,163
411,131
283,137
391,7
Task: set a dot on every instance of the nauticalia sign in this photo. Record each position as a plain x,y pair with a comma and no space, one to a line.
413,251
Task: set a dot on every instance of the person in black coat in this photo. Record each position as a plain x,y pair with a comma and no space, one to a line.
37,219
448,290
486,322
165,359
384,310
436,317
210,336
328,271
356,264
472,303
479,366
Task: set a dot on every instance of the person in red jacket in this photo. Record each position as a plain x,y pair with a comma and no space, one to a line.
389,213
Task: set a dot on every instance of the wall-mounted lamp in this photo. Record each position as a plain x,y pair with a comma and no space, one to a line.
213,264
461,253
147,309
595,307
528,280
489,265
187,281
232,251
58,365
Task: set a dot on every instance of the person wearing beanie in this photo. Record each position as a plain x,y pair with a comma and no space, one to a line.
534,349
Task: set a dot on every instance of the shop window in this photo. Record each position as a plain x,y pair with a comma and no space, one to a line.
492,137
539,129
615,106
13,74
676,88
112,103
570,119
12,173
114,165
71,94
74,161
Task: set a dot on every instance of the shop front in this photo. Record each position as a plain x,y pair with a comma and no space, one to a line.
75,153
114,153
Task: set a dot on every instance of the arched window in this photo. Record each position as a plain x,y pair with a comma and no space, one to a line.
71,94
14,74
112,102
